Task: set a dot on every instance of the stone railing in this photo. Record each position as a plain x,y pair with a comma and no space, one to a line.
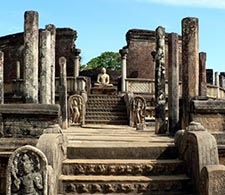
145,86
198,148
215,92
148,86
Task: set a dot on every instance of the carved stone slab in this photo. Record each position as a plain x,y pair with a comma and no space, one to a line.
27,172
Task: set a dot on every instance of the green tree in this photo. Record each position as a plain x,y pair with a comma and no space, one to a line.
109,60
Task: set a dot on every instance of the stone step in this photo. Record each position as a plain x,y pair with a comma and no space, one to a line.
99,108
104,96
133,185
106,121
122,167
115,113
106,116
120,150
110,101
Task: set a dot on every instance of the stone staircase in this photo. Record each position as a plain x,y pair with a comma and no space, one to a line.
122,161
106,109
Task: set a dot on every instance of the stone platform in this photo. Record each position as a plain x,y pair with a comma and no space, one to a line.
109,90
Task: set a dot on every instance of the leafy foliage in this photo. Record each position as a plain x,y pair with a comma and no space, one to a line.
109,60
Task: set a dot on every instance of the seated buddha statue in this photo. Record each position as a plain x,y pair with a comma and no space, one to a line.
103,79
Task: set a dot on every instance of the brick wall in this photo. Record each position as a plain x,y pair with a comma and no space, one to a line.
12,46
140,44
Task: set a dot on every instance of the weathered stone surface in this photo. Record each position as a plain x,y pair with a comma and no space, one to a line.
173,83
212,180
63,92
13,48
160,93
53,144
209,76
76,109
210,113
46,71
202,74
27,120
31,39
65,46
208,106
1,77
76,67
123,53
198,148
27,172
52,29
138,107
190,62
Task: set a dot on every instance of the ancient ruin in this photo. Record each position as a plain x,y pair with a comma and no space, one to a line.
156,127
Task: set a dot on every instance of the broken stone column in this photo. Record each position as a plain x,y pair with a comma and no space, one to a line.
31,36
1,77
202,74
63,92
173,83
76,67
209,76
217,84
123,53
190,60
222,81
45,59
160,97
52,29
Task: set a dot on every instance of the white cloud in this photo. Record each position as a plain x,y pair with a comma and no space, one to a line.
219,4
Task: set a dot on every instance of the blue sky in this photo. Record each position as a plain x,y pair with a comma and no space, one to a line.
102,24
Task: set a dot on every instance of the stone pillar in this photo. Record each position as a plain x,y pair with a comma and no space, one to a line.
217,83
190,62
17,69
202,74
76,67
45,75
160,95
63,92
173,83
209,76
1,77
52,29
222,81
123,53
31,36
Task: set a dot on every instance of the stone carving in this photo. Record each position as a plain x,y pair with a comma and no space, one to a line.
109,188
198,148
82,188
95,188
138,109
103,79
27,172
123,188
160,96
112,169
76,105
